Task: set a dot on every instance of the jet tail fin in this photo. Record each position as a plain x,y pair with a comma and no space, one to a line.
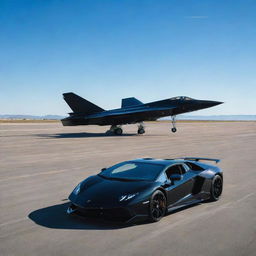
129,102
80,105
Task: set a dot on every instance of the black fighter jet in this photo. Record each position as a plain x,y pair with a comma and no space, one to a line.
132,111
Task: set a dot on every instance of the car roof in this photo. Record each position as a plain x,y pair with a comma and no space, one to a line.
169,162
165,162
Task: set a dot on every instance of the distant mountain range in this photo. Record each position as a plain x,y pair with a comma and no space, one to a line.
46,117
180,117
219,117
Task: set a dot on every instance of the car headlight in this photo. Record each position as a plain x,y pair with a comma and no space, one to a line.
77,189
127,197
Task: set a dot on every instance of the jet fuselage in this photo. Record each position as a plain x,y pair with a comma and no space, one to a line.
140,112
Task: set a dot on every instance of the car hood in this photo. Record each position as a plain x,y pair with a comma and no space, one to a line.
97,191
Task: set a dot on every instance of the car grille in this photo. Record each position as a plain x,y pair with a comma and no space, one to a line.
118,214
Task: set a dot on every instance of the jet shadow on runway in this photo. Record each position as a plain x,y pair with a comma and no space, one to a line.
80,135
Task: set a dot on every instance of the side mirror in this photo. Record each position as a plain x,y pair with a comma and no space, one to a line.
103,169
175,176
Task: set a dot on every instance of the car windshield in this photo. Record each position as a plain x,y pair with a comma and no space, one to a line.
133,171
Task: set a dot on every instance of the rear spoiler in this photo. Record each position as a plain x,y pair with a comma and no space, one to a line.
196,159
201,158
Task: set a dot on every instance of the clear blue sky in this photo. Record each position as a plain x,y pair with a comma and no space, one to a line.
111,49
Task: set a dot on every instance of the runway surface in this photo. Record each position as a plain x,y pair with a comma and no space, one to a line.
41,163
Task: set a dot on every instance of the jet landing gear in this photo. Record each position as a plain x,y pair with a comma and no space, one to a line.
117,130
174,129
141,128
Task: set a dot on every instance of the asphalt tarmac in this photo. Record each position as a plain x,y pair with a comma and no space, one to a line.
41,163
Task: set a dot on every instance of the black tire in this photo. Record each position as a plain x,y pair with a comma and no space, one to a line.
118,131
141,131
157,207
174,129
216,189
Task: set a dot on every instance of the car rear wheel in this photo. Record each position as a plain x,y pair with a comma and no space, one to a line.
157,207
216,190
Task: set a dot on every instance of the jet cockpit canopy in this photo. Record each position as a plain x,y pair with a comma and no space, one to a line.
181,98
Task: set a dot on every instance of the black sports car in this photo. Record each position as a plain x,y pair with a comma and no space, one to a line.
146,188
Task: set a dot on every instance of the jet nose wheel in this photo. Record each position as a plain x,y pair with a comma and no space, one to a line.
173,124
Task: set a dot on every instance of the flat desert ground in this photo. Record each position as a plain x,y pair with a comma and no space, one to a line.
40,164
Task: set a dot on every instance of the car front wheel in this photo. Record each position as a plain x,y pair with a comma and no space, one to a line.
216,189
157,207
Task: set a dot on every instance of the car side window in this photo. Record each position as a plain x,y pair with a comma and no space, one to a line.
182,169
162,178
186,167
194,166
174,169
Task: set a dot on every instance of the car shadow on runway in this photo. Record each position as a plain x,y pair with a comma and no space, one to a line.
81,135
56,217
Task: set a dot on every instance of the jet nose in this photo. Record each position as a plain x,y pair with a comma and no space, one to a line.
207,104
211,103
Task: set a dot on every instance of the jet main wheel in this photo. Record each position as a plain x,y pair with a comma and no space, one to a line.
141,131
118,131
174,129
157,208
216,189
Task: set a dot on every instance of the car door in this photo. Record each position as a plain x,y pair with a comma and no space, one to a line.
180,190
